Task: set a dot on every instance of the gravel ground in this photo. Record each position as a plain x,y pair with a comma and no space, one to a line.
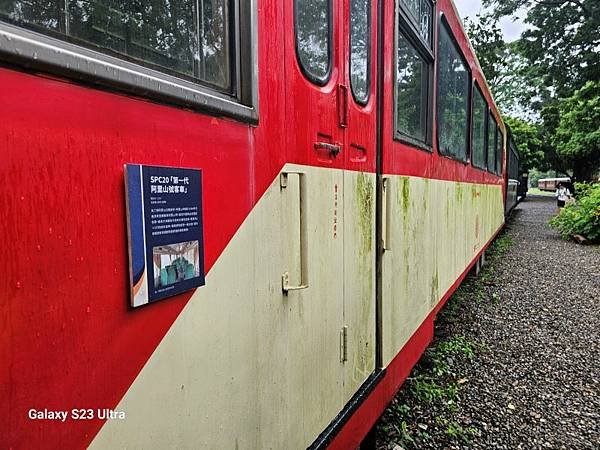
522,370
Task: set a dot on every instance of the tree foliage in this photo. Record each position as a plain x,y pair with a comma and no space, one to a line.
562,42
528,138
513,82
488,41
550,76
576,138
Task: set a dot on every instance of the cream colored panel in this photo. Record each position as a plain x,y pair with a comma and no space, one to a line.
316,318
245,366
359,278
436,228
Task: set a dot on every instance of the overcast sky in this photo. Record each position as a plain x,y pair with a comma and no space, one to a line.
511,29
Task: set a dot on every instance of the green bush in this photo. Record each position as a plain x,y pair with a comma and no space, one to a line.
581,217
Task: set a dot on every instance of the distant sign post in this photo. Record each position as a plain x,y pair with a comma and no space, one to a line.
164,227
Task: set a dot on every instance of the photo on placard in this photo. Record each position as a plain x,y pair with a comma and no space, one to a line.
174,263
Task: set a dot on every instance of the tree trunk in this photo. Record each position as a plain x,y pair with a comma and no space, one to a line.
583,172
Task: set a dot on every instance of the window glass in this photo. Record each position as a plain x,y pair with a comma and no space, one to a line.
360,49
412,6
412,86
491,154
425,20
453,97
480,114
420,12
38,14
499,151
184,37
514,166
513,162
312,37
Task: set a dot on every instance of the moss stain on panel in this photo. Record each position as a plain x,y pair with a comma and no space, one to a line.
363,355
404,194
364,196
435,288
426,195
459,192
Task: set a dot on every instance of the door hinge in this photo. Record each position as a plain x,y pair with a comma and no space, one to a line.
344,344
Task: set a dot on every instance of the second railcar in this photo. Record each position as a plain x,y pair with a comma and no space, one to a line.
550,184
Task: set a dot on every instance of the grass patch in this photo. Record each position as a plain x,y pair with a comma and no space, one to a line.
536,191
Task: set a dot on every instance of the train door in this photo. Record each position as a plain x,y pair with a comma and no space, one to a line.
331,142
359,31
314,84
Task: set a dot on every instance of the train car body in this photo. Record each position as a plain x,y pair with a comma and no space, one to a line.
353,171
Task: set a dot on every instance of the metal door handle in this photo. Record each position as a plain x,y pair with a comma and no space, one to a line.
343,106
303,200
333,149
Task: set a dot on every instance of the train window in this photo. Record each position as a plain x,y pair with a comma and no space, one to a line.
414,70
313,36
480,115
491,147
420,13
412,91
360,49
174,49
499,151
452,98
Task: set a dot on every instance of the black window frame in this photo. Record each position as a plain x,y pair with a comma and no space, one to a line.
512,159
359,101
27,47
405,25
494,121
319,81
412,22
443,22
499,151
477,88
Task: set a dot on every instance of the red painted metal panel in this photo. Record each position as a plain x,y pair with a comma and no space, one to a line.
360,143
67,337
402,159
312,110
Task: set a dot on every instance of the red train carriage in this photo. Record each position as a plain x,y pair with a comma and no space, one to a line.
550,184
352,173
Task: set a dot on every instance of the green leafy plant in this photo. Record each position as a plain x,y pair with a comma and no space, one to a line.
427,390
457,345
582,217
